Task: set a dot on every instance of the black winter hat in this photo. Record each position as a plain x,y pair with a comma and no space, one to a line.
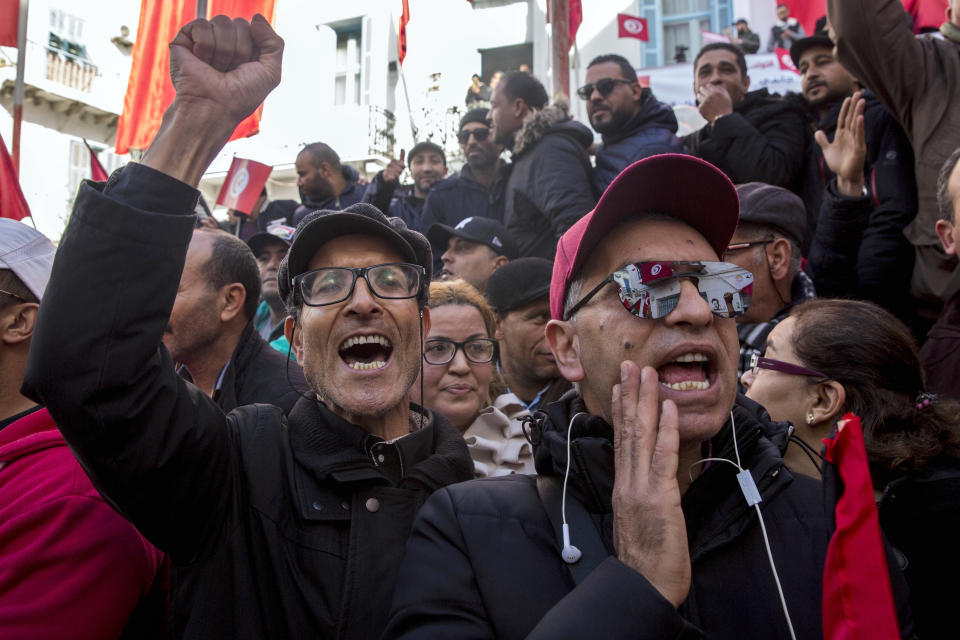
319,227
474,115
518,283
771,206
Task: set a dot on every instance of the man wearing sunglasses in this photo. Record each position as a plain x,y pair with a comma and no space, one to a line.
428,165
643,322
478,190
276,527
633,123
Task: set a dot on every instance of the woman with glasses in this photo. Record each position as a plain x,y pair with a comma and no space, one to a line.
460,378
833,356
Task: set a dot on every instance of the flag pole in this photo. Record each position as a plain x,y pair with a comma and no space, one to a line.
18,85
406,96
201,9
560,23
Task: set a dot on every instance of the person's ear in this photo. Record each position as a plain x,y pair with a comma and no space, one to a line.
425,319
520,108
291,330
829,399
232,297
746,84
18,322
778,254
499,261
637,91
444,172
565,345
944,229
498,332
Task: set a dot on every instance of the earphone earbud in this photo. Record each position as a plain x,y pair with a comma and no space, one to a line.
569,553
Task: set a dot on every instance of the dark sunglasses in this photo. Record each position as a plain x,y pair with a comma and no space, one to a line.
651,290
479,134
758,362
603,85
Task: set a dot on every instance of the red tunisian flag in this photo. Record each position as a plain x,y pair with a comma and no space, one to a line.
149,90
9,18
857,597
632,27
243,185
402,32
12,203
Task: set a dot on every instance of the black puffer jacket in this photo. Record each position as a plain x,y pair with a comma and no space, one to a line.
550,185
483,560
276,527
764,140
258,374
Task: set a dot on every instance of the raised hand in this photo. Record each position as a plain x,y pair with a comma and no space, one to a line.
228,64
393,170
222,69
649,531
846,154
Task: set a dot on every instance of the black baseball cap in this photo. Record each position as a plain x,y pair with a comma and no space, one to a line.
319,227
475,229
518,283
275,234
817,39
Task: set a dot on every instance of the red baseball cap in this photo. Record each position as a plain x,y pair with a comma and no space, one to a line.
682,186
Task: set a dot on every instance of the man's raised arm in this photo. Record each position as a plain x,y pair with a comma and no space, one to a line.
154,445
875,43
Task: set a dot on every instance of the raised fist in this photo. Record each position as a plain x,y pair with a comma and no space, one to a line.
226,65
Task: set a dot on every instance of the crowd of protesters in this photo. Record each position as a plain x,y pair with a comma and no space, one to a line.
527,399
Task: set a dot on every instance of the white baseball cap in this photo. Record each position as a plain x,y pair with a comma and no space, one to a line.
26,252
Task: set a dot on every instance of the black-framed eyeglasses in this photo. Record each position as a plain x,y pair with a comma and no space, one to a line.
479,134
604,85
330,285
651,290
740,246
444,350
15,296
759,362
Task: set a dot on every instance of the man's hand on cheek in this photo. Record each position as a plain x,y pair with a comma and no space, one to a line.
649,531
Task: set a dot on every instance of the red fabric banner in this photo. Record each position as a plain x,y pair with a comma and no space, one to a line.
925,13
575,18
402,32
243,185
149,89
12,203
632,27
857,597
9,18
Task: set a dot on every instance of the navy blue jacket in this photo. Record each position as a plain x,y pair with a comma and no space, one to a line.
460,197
395,200
352,194
648,133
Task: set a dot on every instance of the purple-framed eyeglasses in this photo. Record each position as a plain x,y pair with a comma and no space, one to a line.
757,362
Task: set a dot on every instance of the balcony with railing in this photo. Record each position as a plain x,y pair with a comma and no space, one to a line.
67,64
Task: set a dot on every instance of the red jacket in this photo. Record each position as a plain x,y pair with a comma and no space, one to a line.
70,566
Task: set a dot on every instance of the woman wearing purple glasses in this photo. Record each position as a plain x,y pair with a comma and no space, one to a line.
833,356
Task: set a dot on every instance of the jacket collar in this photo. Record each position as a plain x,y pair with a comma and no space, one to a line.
538,123
652,114
331,449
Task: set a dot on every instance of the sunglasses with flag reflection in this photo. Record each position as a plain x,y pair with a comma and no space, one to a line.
651,290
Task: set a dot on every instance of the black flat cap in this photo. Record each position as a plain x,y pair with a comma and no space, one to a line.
518,283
